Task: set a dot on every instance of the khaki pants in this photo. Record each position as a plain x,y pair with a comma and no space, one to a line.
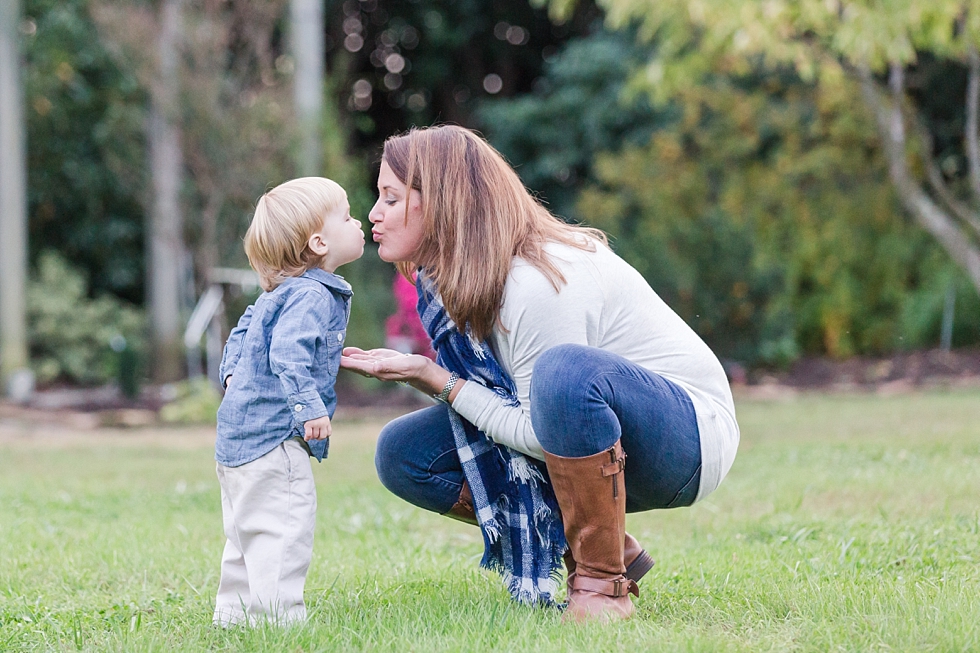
269,512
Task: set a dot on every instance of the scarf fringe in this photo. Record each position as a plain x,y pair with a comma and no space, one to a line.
521,470
551,535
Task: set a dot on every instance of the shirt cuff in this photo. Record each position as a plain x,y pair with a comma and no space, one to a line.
306,406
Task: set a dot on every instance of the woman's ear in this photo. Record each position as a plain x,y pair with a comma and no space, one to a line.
318,244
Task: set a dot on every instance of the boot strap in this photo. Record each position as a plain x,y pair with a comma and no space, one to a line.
615,467
615,588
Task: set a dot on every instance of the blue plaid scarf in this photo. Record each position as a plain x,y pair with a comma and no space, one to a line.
514,502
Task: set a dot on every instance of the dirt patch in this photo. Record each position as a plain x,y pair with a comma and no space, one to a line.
72,410
897,374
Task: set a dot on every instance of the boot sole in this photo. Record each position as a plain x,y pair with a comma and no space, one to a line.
639,567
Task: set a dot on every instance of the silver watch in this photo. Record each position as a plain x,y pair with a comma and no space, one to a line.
447,389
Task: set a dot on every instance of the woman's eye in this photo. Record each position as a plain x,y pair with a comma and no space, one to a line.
391,202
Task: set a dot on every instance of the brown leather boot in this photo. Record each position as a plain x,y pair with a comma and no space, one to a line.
592,497
463,510
638,562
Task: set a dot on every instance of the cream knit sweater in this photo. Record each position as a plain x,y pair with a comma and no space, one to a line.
605,304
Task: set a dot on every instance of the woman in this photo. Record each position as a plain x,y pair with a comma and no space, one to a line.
568,357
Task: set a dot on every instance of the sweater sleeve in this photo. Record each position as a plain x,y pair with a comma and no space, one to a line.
506,425
535,318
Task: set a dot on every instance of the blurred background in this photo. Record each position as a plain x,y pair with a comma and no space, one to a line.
799,182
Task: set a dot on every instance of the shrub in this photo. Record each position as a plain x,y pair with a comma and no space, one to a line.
72,335
196,401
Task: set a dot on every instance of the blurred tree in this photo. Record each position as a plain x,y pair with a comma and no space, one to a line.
86,158
306,31
240,134
166,261
13,204
89,76
416,62
395,64
765,217
757,205
576,110
839,43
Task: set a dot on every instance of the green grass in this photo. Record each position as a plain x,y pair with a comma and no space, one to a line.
847,523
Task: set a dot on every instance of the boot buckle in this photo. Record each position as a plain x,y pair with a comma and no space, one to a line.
624,586
615,467
613,587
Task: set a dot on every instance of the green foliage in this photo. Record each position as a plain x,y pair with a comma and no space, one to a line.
922,311
703,37
757,205
86,163
195,401
445,51
766,218
845,524
840,43
71,335
576,110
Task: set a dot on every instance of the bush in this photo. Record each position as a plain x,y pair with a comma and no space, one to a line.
196,401
71,335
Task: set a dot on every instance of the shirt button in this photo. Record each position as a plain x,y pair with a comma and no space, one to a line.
298,407
340,337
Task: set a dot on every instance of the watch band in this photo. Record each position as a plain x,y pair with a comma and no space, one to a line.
447,389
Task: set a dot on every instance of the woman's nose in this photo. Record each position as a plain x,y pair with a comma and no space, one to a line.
374,215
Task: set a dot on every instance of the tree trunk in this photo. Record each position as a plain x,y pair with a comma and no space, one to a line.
13,205
306,37
932,217
166,255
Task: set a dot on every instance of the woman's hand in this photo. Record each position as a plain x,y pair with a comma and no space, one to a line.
384,364
390,365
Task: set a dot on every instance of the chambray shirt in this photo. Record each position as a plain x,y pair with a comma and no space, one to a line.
283,358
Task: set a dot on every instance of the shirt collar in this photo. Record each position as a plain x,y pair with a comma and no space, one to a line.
329,279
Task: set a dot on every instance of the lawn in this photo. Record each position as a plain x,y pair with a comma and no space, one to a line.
847,523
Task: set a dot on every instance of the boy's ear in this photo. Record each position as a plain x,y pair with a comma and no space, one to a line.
318,244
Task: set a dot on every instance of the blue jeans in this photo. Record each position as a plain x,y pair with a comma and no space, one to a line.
583,400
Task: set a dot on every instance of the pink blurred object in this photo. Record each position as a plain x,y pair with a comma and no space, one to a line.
403,330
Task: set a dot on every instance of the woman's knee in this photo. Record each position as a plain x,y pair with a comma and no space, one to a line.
392,457
562,377
416,459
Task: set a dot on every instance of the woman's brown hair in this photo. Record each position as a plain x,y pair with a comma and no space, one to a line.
477,216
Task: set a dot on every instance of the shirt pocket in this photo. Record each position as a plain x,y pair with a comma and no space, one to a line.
334,346
233,406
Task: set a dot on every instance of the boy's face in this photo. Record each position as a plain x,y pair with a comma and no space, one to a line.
342,236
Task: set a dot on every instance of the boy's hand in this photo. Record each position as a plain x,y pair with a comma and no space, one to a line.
317,429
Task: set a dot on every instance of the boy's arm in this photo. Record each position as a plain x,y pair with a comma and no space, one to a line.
302,322
233,348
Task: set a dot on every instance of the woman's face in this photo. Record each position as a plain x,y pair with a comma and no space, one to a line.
398,239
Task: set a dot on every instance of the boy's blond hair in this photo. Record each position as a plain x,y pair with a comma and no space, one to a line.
285,218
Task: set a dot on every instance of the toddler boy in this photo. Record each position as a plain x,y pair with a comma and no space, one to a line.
278,369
